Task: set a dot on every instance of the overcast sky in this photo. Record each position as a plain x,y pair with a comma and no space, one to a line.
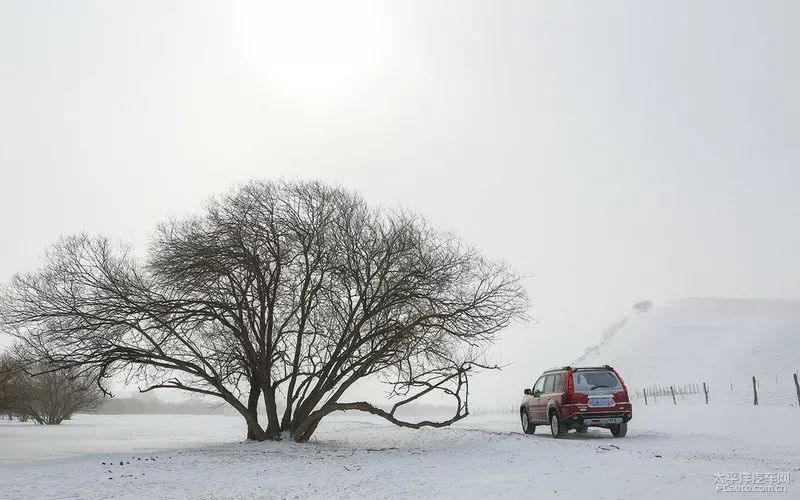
613,151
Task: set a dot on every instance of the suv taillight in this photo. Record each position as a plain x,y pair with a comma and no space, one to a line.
622,383
570,388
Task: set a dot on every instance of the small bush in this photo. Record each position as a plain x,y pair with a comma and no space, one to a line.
47,396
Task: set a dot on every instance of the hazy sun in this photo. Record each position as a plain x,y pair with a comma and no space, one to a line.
311,50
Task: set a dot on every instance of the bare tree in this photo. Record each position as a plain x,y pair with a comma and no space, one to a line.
282,293
48,398
643,306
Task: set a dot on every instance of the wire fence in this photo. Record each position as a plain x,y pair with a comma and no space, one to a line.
752,391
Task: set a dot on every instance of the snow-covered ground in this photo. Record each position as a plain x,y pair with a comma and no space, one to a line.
670,452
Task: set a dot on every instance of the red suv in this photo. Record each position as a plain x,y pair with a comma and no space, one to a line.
577,398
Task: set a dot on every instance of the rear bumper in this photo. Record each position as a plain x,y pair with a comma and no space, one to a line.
582,416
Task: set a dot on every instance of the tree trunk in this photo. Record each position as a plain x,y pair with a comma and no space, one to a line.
286,421
305,409
254,431
304,430
252,410
273,422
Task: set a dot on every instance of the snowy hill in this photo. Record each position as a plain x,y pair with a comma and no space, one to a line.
718,341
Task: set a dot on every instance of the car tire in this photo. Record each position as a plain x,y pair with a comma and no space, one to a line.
527,426
620,430
582,430
557,429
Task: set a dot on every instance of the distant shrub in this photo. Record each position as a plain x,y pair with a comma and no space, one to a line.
44,395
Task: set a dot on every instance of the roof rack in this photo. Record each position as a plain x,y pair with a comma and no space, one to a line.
558,369
570,368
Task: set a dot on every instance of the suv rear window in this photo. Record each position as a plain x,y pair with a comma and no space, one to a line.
587,381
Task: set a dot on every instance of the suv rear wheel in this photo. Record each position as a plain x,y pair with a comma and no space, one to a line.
527,426
619,431
556,429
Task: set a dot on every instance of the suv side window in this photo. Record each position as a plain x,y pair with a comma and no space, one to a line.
549,384
539,385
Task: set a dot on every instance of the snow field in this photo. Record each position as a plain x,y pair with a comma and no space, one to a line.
668,453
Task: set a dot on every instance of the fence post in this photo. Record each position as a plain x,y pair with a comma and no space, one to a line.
644,391
797,388
705,391
755,392
672,390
